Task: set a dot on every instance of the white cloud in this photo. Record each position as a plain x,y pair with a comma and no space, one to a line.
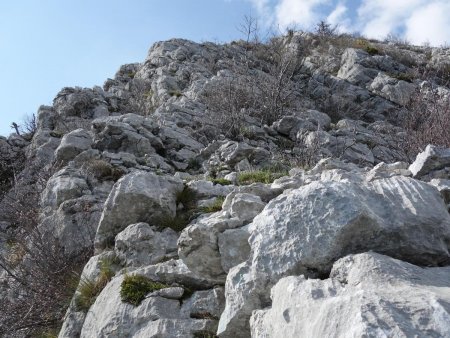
303,13
430,23
339,17
378,18
417,20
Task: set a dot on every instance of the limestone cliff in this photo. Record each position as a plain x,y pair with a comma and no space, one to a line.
239,190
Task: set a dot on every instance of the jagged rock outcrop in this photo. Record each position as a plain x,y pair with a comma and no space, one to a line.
230,178
305,230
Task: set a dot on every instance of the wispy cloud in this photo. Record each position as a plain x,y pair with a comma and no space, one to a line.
418,21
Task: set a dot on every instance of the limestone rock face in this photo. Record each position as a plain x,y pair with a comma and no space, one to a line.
114,170
246,206
137,197
304,231
367,295
233,247
63,186
360,212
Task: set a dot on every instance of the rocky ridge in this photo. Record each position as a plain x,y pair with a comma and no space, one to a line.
311,221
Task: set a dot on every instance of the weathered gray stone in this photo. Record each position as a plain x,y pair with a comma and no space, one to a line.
233,247
170,293
205,304
198,244
246,206
384,170
64,185
137,197
432,158
367,295
209,189
140,244
175,271
306,230
397,91
72,144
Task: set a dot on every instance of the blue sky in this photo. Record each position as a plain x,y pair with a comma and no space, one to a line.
49,44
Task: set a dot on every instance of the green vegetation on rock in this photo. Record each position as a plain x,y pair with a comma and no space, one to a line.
134,288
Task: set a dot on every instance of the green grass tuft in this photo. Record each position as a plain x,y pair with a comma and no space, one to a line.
262,176
221,181
216,206
134,288
90,289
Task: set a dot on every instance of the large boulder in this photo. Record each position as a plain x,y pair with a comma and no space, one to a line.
306,230
323,221
137,197
367,295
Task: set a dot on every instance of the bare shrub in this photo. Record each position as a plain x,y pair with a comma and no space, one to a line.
39,276
102,170
142,100
11,164
27,127
261,87
324,29
426,119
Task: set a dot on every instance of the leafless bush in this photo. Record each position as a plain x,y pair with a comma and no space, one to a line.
39,276
11,164
102,170
259,85
142,100
324,29
26,128
426,119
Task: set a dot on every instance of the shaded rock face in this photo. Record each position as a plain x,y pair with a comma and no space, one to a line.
139,196
366,295
238,227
